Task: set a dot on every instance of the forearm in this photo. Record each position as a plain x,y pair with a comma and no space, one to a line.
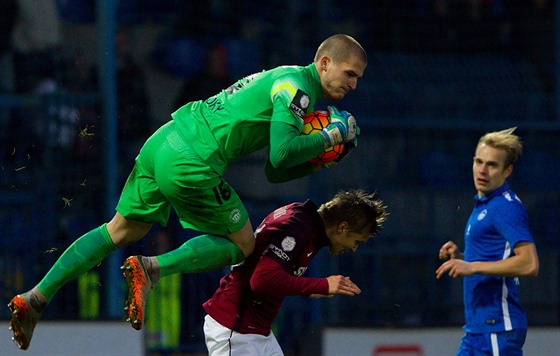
270,278
503,268
284,175
524,264
288,148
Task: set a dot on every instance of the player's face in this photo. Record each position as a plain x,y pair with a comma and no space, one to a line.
345,241
489,171
338,79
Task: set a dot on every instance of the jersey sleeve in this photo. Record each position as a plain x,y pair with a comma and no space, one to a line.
275,175
289,101
511,222
289,149
289,239
269,277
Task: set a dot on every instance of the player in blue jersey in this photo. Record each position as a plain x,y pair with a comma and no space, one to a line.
499,248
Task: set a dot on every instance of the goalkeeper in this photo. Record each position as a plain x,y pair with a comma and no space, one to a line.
181,166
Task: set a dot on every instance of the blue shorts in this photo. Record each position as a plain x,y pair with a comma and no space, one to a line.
508,343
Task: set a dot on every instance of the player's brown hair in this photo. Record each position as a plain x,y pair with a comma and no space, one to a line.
360,209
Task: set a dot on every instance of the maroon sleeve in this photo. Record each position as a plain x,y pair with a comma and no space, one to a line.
269,277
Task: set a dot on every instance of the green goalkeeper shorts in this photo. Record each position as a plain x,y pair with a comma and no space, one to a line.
169,173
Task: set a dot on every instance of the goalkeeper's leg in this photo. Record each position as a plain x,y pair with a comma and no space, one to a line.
82,255
199,254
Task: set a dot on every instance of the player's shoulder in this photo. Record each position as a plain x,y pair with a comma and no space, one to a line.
508,204
294,72
509,197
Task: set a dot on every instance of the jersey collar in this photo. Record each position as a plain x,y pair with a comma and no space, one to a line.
490,196
318,88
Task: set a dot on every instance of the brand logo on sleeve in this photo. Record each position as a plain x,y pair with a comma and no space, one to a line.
300,103
278,252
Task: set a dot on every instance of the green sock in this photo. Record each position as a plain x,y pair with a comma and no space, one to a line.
84,253
200,254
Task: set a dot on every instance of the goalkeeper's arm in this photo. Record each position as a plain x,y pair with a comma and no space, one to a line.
288,148
275,175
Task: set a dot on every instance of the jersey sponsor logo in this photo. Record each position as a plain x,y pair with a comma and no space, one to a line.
241,83
288,243
482,215
300,271
300,103
278,252
235,216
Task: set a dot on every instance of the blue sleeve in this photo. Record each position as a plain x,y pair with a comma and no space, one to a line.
512,222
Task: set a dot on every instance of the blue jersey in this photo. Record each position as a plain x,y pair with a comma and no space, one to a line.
498,222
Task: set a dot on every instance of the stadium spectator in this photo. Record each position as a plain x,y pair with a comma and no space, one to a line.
241,312
37,40
213,77
499,248
181,166
133,113
8,15
534,36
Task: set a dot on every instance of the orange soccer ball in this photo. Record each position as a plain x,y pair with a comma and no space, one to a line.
315,122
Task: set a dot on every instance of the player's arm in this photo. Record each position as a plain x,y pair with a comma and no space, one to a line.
275,175
449,250
288,147
289,152
340,285
270,277
513,224
524,263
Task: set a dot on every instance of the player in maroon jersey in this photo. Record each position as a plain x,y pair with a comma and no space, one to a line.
241,312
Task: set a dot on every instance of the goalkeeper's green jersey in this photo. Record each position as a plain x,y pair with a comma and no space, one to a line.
236,121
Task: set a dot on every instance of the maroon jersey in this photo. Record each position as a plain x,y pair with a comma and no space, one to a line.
250,296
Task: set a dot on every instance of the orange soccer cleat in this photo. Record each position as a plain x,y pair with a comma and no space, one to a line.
25,311
139,284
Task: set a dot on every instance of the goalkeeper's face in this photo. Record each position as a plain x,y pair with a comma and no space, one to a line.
338,79
344,240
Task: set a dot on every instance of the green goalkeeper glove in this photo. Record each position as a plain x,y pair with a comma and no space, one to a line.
343,127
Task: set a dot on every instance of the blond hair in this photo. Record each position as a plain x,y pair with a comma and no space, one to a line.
505,140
